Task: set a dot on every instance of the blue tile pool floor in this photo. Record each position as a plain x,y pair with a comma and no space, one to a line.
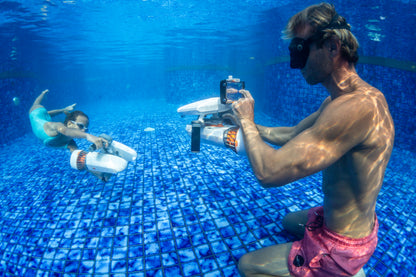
171,212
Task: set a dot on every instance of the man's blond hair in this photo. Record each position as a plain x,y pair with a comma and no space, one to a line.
327,23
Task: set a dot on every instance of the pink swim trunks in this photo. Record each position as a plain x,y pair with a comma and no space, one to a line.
323,253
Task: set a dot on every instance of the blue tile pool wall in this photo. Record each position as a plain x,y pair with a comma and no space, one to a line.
290,97
171,212
188,84
287,88
13,114
20,69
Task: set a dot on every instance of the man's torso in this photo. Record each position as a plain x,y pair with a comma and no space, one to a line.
351,185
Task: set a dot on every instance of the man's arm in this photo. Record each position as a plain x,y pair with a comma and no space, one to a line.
343,124
281,135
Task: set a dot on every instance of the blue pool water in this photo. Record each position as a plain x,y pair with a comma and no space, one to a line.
129,65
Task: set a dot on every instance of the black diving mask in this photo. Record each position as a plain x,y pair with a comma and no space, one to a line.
299,48
299,52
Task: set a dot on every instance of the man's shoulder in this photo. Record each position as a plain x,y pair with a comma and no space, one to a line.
351,113
349,104
365,98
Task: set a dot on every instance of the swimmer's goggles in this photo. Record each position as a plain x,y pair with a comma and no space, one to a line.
299,48
80,125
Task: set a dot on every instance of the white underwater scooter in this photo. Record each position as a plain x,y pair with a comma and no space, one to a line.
111,159
211,127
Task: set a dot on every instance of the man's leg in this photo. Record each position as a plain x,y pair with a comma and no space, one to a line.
268,261
295,222
273,260
38,100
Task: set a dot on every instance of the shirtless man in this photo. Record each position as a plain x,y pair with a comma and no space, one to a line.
61,135
350,138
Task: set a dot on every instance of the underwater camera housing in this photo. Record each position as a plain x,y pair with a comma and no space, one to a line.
211,127
229,90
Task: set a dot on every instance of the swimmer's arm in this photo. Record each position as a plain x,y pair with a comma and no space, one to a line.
76,133
53,113
68,132
64,110
341,126
281,135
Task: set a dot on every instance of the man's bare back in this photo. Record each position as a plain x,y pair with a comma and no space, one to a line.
351,184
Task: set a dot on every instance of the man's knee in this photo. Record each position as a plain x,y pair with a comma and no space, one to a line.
290,222
286,222
295,222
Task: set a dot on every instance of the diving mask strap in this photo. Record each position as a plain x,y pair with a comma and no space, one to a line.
334,24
